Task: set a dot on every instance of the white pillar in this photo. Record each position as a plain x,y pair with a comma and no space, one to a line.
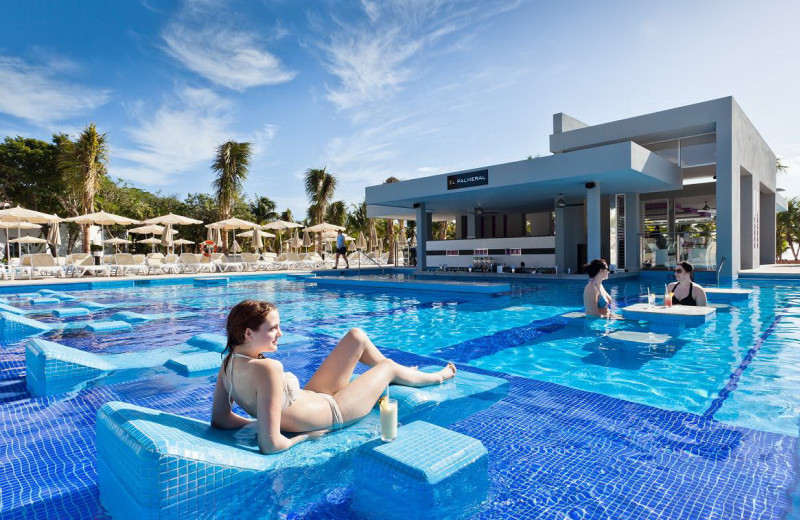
593,223
470,225
422,235
633,261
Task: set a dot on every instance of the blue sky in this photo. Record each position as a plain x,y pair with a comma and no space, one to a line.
372,89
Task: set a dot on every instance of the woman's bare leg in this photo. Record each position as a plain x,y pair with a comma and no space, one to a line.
335,372
356,399
337,369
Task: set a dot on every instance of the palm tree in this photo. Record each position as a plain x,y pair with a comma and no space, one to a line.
390,226
337,213
320,186
263,209
231,165
788,229
84,164
287,216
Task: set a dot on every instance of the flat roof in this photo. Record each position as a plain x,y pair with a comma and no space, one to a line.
530,185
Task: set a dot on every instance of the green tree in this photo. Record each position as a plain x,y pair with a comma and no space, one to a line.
390,231
29,174
263,209
231,166
337,213
788,229
320,186
84,163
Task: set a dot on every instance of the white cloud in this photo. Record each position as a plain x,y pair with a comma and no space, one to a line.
179,138
374,59
228,57
37,94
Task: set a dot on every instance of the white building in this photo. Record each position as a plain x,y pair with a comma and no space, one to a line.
693,183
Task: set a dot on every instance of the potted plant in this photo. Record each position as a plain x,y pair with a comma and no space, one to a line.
97,253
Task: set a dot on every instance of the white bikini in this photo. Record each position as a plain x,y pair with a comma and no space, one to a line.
291,390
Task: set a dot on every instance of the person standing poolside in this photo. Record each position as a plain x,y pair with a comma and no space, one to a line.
330,400
341,250
596,301
684,290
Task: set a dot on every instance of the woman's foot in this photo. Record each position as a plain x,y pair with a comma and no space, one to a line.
448,372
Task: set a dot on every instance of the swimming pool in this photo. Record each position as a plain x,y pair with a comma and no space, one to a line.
704,427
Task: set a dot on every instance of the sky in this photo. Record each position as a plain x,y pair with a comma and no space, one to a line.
373,89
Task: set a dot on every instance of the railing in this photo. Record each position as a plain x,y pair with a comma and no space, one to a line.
665,250
719,268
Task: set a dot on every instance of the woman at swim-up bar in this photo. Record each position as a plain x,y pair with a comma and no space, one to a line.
327,402
684,290
596,300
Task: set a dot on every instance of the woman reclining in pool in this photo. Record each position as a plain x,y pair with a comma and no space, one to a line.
329,399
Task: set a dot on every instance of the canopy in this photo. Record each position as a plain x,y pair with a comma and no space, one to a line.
361,243
151,240
172,219
249,234
281,224
28,240
19,225
166,237
116,241
54,236
152,229
101,218
233,223
325,226
182,242
20,214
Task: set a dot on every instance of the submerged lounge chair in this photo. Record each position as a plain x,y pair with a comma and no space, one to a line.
154,464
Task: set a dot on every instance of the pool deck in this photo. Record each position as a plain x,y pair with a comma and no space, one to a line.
773,271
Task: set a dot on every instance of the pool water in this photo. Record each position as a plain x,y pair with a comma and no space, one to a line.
703,427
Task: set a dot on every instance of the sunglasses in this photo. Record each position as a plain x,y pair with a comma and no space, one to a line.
678,270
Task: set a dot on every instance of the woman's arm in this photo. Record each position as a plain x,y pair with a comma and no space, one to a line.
222,415
269,397
590,294
700,296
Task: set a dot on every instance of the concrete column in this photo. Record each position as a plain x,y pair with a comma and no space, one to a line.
423,230
671,219
767,220
470,225
746,214
593,223
633,260
561,238
605,227
728,215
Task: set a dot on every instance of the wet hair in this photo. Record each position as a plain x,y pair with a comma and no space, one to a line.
689,268
595,266
249,314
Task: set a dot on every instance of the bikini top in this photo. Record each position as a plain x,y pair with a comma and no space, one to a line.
602,303
689,300
291,386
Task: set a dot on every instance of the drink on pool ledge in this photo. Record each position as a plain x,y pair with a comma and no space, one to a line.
388,419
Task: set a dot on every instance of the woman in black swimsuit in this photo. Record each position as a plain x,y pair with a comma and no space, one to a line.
684,290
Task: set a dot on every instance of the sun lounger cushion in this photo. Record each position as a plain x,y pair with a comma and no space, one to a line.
41,301
428,472
107,326
153,464
68,312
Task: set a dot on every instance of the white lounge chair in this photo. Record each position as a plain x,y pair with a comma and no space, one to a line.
253,262
190,263
81,263
224,265
127,263
45,264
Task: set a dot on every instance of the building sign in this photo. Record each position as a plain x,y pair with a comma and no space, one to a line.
480,252
514,252
467,180
452,252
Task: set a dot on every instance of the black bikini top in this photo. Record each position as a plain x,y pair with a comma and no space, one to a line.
689,300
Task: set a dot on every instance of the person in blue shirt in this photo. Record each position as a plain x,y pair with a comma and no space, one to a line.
341,250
